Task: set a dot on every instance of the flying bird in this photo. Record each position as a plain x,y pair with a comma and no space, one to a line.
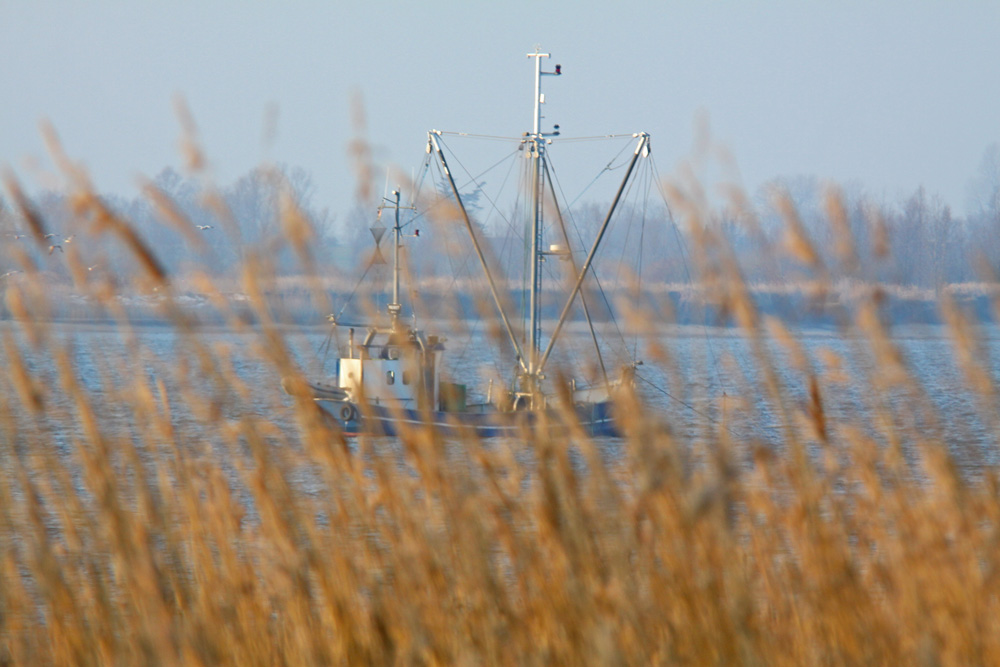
53,247
69,239
48,236
204,227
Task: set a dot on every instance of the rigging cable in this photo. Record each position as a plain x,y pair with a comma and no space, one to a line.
593,271
472,179
495,137
645,176
325,347
602,137
628,233
687,272
583,296
593,268
417,188
642,244
349,298
690,407
493,205
488,137
478,321
607,167
475,180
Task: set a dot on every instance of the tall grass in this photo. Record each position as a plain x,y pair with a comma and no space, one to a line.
158,512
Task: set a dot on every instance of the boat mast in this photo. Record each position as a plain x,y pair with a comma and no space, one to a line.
536,146
397,237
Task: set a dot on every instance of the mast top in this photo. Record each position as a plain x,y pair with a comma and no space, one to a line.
539,97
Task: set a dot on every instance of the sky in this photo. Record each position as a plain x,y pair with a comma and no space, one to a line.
888,95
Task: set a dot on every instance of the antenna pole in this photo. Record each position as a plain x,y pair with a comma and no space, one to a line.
395,306
536,145
539,100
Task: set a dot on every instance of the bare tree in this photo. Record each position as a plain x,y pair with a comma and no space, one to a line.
984,189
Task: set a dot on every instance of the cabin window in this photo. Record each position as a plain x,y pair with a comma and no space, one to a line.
390,377
406,377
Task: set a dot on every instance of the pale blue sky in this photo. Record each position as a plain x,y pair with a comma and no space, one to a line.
893,95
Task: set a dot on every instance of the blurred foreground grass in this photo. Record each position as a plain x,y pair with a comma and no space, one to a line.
130,535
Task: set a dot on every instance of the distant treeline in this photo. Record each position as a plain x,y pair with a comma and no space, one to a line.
917,241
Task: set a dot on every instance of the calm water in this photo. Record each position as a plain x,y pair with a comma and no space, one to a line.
694,390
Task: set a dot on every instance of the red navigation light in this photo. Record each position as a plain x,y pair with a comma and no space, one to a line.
558,69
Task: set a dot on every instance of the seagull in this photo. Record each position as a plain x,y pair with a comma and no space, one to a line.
9,274
204,227
52,248
48,236
91,268
69,239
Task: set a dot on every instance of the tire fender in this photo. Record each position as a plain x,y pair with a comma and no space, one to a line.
347,412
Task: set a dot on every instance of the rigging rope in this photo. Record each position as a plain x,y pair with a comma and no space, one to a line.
642,244
607,167
325,347
475,179
355,289
489,137
687,273
689,406
602,137
593,267
583,296
562,140
493,208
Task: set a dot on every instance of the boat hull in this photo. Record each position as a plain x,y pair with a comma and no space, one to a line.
596,419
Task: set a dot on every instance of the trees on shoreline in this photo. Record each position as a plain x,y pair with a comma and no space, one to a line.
917,241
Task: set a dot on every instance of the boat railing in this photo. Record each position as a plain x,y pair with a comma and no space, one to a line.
391,352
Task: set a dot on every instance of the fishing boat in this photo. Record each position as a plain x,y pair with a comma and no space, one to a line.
389,374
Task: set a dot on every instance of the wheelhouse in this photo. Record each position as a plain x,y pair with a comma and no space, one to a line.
392,367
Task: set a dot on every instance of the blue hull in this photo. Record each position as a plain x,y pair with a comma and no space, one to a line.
596,420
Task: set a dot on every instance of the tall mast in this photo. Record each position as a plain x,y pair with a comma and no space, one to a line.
397,243
536,147
395,306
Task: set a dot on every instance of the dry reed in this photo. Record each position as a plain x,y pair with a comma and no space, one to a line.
167,513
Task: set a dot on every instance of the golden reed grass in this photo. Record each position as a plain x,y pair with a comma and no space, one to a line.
158,512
